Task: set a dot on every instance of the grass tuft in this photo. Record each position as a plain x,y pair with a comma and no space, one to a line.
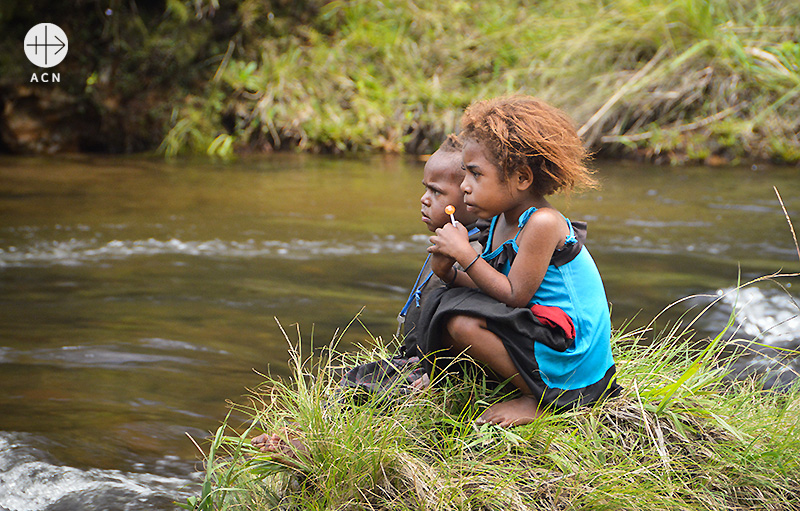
679,437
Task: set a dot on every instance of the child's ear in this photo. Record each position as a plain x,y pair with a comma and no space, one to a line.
524,178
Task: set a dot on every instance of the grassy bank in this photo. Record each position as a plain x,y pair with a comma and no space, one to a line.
712,81
666,80
678,438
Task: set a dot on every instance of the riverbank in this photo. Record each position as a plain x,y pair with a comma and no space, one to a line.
666,81
677,438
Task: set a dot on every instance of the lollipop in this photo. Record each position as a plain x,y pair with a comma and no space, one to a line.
449,209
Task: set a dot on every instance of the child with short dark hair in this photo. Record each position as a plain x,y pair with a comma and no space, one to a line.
442,176
534,276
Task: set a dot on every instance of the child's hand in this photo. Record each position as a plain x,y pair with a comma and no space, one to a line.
452,241
442,265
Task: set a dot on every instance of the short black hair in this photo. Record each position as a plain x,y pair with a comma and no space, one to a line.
452,144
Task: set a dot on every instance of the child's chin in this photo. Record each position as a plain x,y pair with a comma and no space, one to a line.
430,224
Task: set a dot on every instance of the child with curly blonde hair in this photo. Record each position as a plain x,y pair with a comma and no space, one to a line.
531,306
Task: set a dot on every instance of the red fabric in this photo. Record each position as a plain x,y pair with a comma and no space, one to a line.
554,317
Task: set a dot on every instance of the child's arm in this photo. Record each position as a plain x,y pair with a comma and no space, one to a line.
541,236
442,266
442,263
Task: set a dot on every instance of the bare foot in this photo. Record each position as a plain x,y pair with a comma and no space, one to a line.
260,441
285,446
421,383
506,414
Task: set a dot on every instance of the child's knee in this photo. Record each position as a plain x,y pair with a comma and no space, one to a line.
462,329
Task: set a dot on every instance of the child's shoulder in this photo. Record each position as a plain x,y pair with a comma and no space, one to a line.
546,217
545,224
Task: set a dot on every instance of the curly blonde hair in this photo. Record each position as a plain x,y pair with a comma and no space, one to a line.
523,130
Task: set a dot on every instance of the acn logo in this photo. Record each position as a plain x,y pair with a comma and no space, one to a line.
46,45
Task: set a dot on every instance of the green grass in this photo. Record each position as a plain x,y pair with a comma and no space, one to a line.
672,80
677,438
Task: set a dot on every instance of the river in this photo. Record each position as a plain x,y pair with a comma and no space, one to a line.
137,294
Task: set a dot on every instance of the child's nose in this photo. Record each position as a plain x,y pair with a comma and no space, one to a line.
425,200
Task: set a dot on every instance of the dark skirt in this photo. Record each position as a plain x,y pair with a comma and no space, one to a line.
519,329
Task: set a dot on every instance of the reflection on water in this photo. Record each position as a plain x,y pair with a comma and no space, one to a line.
137,295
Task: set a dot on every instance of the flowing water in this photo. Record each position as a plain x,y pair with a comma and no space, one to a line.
137,295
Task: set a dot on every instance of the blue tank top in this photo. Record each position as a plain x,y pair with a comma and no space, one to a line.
572,282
